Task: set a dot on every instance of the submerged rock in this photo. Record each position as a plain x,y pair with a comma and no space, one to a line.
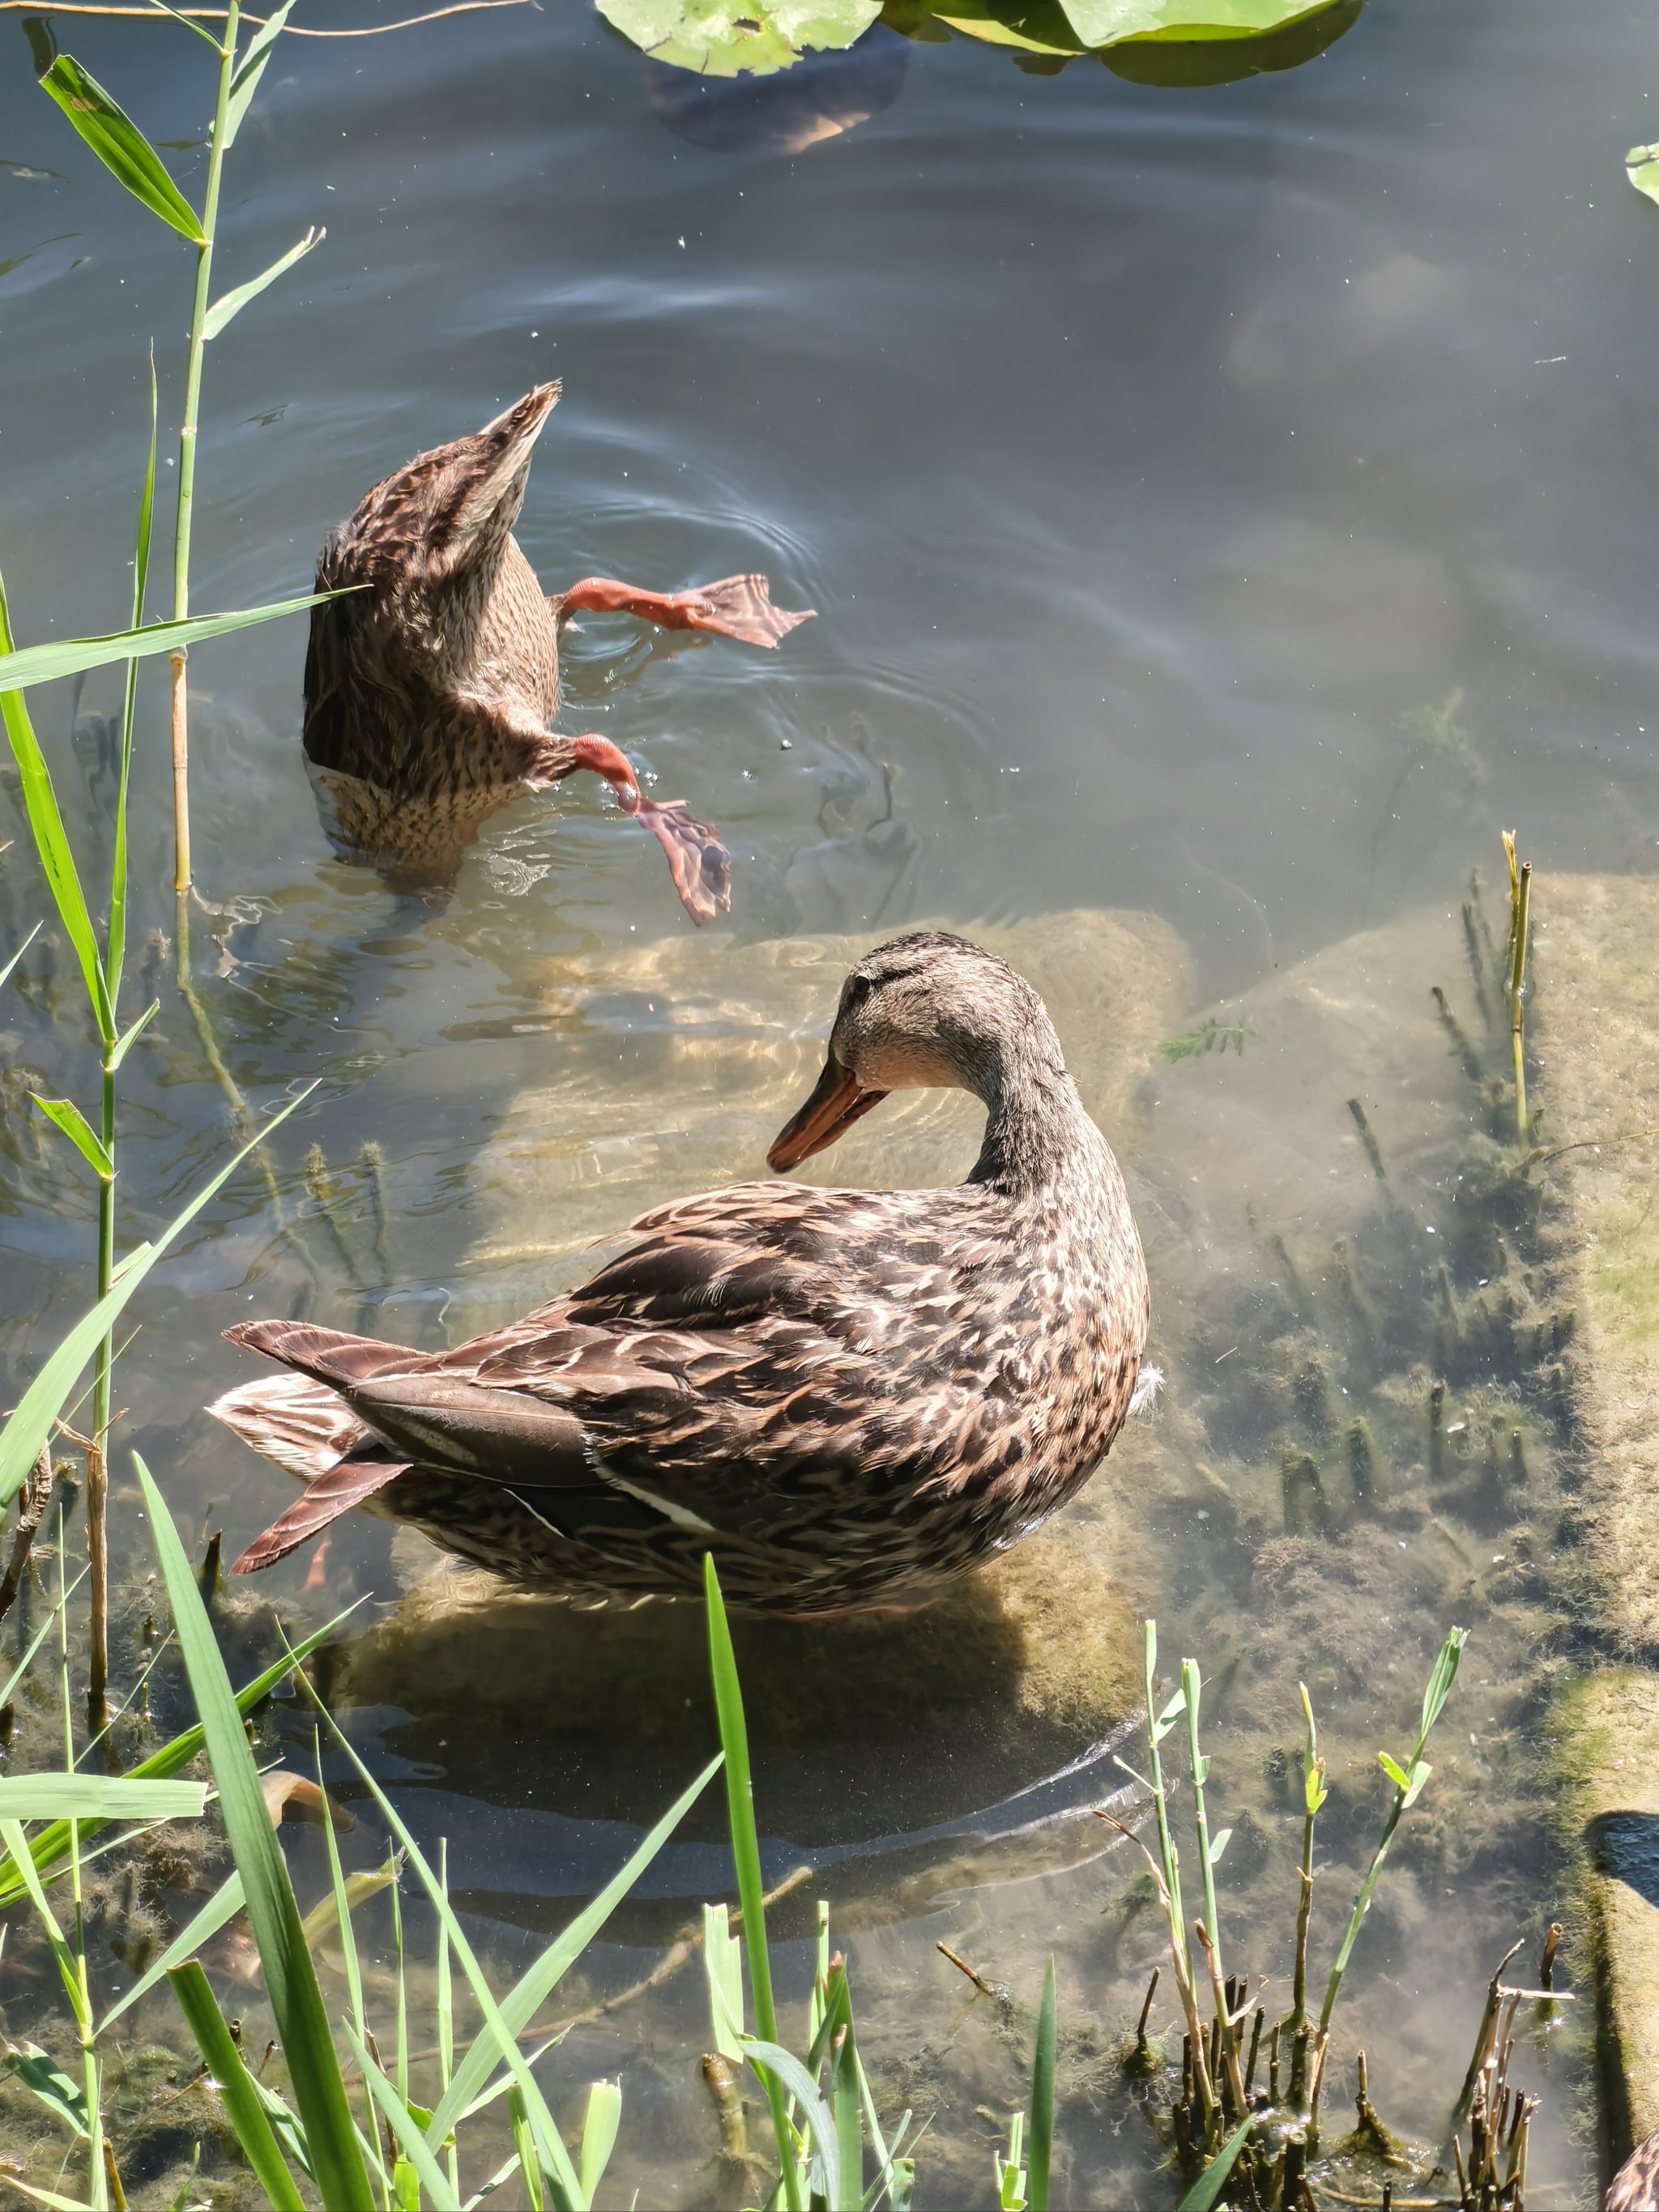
1598,1014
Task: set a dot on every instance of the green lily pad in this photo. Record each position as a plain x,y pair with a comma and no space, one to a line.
1031,27
1103,23
1643,164
728,37
1175,61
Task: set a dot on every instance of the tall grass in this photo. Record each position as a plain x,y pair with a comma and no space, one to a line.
92,1128
131,158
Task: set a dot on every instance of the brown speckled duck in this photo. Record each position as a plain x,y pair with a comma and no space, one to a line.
849,1396
431,693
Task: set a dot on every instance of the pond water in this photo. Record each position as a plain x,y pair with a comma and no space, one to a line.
1224,505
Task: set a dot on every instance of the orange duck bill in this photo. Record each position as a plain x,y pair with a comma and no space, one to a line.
838,1100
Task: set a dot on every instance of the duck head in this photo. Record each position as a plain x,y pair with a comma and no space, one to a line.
925,1012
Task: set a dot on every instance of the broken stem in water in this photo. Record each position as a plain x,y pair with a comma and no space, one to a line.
1520,899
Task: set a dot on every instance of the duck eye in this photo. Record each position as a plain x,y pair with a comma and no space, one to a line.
858,990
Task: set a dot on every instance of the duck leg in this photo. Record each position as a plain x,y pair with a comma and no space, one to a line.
699,863
737,606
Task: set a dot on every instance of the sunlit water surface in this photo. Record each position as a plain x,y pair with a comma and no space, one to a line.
1157,464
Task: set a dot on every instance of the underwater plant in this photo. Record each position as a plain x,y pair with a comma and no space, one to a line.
1256,2146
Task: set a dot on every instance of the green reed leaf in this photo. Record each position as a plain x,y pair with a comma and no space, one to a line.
50,838
549,2144
124,1044
599,2125
120,145
98,1797
224,1904
115,937
33,1421
244,2108
1040,2130
411,2137
65,1114
48,1850
38,2071
1206,2190
522,2002
245,79
778,2067
746,1860
44,664
226,309
290,1977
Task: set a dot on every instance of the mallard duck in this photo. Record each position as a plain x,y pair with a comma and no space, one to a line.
431,688
849,1396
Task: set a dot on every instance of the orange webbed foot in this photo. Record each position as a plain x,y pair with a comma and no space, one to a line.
737,606
698,862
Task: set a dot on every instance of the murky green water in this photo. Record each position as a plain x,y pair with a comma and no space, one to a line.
1162,466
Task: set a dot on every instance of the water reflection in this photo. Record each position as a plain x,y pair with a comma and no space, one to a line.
822,95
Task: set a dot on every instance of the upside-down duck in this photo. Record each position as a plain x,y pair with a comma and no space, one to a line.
847,1396
431,688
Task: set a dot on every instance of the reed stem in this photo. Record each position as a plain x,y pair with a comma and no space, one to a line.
97,1451
188,433
1516,989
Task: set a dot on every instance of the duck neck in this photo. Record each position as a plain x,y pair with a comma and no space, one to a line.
1036,1133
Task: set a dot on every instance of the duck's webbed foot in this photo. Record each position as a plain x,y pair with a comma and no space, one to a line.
699,863
737,606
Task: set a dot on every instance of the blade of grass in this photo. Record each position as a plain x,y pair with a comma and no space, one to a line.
116,935
599,2125
342,1903
66,1115
50,838
549,2143
1040,2113
51,1846
120,144
411,2137
244,78
772,2063
98,1797
1208,2187
31,1423
523,2001
224,1904
45,663
290,1978
40,2074
230,304
5,972
745,1854
243,2107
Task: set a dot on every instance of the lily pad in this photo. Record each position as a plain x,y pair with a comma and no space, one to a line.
1643,164
1178,62
1032,27
1105,22
728,37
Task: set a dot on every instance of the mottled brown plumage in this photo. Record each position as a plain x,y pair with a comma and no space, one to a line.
849,1396
431,688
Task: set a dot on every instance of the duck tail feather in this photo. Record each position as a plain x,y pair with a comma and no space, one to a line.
324,1500
301,1426
328,1355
